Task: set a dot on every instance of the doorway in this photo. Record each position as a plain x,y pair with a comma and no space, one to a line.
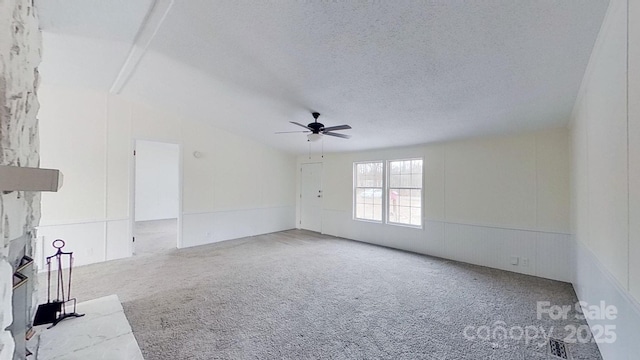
311,197
157,197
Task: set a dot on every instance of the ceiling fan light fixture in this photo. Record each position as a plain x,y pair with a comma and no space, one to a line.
314,137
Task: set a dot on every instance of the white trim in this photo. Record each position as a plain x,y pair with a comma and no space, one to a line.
487,226
106,170
386,174
491,226
634,304
236,209
148,30
132,194
501,227
595,284
299,185
132,190
480,245
81,222
211,227
387,187
180,194
364,220
355,186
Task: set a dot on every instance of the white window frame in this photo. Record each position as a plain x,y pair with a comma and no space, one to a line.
388,190
356,187
386,173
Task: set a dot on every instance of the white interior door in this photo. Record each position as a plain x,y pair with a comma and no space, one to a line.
311,197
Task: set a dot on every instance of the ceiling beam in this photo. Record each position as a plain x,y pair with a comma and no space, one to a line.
150,25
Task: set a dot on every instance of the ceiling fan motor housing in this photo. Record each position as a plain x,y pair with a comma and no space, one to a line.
316,126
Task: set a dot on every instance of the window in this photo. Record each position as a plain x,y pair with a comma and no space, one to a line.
405,192
368,190
396,186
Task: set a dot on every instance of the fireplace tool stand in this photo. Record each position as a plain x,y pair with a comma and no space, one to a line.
55,311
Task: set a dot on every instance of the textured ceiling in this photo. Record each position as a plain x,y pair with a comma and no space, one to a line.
400,73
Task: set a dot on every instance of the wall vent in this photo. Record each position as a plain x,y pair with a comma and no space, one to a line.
558,349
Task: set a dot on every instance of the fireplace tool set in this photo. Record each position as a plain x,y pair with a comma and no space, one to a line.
55,311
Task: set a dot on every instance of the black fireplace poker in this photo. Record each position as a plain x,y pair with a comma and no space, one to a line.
55,311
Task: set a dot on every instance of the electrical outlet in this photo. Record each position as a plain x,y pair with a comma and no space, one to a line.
525,262
514,260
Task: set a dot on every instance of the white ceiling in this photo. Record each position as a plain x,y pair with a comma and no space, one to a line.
85,42
400,73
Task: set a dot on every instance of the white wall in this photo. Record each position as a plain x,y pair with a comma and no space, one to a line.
237,188
605,134
157,185
485,200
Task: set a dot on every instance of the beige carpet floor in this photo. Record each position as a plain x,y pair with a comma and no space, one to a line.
301,295
155,236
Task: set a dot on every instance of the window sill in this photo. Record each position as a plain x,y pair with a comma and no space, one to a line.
420,227
368,221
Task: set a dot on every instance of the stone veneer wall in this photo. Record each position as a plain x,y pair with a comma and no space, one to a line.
20,54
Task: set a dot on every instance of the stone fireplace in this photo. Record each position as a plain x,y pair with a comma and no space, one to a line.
24,290
20,48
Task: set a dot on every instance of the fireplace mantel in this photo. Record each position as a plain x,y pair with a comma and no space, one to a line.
14,178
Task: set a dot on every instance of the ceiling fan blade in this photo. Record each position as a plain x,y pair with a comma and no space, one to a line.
289,132
304,126
339,127
337,135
